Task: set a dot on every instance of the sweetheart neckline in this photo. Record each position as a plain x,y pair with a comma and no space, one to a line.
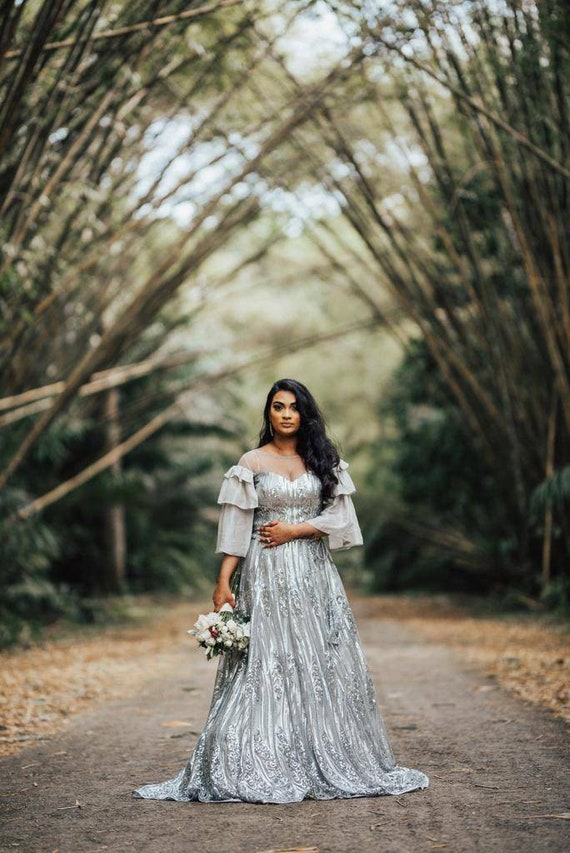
283,477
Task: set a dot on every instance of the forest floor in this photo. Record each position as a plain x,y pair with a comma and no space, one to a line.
87,716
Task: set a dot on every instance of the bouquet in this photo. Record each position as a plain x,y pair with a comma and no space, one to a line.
221,632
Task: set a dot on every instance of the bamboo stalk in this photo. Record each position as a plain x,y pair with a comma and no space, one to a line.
102,380
164,281
519,137
548,512
155,23
47,15
156,423
114,515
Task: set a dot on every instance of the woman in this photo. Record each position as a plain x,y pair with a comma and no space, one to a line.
296,717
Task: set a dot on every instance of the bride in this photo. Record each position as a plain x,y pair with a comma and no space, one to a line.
296,717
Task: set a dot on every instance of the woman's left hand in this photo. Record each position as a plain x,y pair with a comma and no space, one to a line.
276,533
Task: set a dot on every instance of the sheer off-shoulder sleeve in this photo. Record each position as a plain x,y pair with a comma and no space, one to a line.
238,488
238,499
338,520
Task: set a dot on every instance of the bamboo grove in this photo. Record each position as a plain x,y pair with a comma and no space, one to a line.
440,132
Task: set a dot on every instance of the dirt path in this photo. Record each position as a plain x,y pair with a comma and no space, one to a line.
498,768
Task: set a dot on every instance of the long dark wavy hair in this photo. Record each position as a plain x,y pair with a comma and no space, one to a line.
313,445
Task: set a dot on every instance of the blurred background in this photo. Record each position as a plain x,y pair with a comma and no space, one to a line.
199,198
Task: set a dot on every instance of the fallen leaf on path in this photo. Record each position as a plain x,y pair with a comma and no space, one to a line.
561,816
77,805
173,724
290,850
186,734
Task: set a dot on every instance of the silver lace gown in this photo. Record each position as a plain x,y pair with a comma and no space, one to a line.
296,717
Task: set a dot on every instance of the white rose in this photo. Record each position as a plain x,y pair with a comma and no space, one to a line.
205,621
210,641
231,625
227,643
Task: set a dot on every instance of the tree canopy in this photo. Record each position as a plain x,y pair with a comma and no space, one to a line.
192,191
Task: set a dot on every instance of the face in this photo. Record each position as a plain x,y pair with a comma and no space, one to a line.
283,414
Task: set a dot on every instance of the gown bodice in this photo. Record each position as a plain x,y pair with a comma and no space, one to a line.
281,499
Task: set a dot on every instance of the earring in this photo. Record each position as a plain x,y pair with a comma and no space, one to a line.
271,430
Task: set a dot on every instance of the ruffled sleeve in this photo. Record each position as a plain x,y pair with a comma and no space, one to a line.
338,520
238,488
238,500
345,486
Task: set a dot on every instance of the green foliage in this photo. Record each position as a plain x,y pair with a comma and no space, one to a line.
556,596
554,491
57,564
447,526
29,596
170,541
54,565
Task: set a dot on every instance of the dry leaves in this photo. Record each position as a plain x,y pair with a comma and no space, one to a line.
527,653
43,686
531,660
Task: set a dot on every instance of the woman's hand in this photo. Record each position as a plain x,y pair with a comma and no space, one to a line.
223,595
276,533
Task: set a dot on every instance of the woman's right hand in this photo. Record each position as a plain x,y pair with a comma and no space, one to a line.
223,595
